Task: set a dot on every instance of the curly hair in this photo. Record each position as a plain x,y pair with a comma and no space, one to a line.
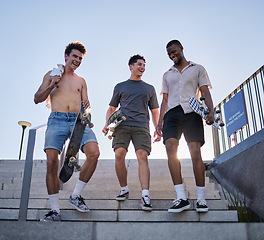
134,59
75,45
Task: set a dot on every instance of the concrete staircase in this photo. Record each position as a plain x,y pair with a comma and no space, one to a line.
101,191
106,213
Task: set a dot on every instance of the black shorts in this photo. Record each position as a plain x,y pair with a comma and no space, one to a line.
190,124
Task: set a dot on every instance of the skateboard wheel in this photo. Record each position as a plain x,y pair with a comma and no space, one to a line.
202,98
123,118
72,159
222,124
112,129
78,168
91,125
85,115
110,137
218,111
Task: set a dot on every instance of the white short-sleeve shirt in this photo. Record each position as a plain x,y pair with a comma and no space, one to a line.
181,86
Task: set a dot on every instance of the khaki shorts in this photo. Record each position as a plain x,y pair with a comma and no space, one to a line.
140,137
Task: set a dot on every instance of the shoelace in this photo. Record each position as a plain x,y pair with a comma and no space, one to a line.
81,199
177,201
51,213
146,199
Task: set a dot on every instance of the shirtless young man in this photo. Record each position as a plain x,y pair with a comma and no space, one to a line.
135,97
182,81
66,94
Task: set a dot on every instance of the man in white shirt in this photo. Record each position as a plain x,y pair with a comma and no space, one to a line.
182,81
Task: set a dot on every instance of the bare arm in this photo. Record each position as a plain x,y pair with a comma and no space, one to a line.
155,119
85,100
209,103
162,113
46,87
110,110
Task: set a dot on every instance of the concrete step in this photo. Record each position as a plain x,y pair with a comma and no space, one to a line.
99,204
113,230
127,216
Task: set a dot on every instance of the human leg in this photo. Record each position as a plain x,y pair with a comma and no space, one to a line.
120,166
199,173
174,164
52,183
92,153
143,169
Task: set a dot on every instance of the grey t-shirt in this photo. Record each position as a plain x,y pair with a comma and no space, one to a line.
135,97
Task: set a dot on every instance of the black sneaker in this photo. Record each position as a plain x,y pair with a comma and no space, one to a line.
122,196
179,205
53,215
146,203
201,206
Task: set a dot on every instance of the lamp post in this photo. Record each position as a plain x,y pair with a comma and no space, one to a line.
24,125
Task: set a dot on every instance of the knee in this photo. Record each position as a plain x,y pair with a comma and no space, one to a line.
52,163
93,155
120,155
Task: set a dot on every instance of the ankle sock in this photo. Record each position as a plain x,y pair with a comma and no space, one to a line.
124,189
78,188
179,188
200,193
145,192
54,202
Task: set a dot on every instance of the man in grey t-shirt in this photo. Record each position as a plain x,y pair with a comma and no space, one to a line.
135,98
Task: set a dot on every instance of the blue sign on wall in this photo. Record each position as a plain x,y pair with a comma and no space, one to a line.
235,113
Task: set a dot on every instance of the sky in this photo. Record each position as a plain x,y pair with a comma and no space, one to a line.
226,37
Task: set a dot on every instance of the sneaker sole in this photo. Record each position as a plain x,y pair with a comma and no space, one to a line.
121,199
80,210
145,208
180,209
45,220
202,210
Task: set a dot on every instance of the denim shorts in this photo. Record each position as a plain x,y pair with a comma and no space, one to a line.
59,128
140,137
177,122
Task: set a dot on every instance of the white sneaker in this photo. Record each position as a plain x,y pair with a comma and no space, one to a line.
78,203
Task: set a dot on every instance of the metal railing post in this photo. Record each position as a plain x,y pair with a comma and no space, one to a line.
22,216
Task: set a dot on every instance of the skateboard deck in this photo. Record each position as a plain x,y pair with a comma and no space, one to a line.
202,110
70,160
113,121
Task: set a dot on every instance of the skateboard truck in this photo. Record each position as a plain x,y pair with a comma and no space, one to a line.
217,112
218,118
204,107
73,162
112,129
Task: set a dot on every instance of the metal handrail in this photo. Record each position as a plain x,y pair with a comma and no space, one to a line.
253,92
22,216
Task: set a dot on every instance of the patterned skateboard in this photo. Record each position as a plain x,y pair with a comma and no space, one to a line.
70,161
202,110
113,121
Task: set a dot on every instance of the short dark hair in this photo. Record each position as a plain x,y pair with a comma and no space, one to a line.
75,45
174,42
134,59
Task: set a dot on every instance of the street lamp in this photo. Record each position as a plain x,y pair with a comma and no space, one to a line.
24,125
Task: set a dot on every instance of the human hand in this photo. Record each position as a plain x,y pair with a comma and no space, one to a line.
105,130
55,81
86,104
210,118
157,137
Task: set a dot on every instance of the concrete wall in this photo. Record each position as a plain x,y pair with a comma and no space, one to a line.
242,169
